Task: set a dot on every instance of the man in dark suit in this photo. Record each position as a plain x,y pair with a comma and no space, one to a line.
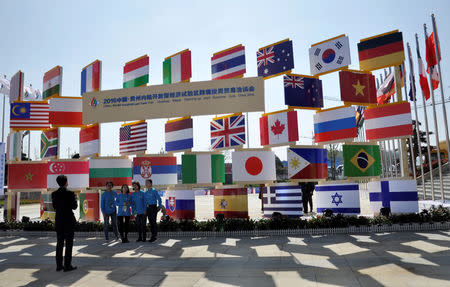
64,201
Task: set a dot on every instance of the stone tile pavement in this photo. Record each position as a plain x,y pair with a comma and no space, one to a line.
380,259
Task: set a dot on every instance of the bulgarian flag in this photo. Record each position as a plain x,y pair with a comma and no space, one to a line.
52,83
135,73
115,169
177,68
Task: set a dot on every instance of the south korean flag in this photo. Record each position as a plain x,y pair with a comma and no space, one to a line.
330,55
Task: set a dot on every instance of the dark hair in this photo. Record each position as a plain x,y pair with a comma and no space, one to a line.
61,180
109,182
126,185
149,180
138,184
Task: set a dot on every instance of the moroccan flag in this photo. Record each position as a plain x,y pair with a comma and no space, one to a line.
358,87
162,170
278,127
253,166
27,176
180,204
202,168
362,160
423,77
52,83
231,202
381,51
49,143
307,163
135,73
89,206
115,169
77,172
90,140
66,112
177,68
91,77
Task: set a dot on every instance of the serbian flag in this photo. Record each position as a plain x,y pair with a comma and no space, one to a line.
90,77
279,127
307,163
180,204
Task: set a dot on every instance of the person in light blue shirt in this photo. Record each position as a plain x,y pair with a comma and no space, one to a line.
139,209
153,203
108,207
123,202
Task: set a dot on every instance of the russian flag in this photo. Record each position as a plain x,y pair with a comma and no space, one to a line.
335,125
162,170
180,204
90,77
307,163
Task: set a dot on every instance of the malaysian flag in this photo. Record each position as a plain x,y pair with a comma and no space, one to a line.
228,131
29,116
133,137
275,59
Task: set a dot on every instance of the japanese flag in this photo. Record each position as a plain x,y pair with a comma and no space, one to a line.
253,166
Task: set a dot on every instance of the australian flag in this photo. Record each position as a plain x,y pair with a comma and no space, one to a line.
275,59
301,91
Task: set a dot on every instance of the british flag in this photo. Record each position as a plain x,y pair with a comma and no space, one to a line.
228,131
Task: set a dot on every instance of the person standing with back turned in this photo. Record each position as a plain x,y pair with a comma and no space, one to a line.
64,201
151,199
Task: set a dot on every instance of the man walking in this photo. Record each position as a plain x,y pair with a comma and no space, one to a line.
64,201
151,199
108,207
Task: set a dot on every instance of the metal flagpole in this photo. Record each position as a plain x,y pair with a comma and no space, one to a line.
380,143
444,110
413,163
387,143
435,124
413,91
425,114
392,142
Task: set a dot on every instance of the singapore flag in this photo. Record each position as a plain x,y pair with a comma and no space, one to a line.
77,172
251,166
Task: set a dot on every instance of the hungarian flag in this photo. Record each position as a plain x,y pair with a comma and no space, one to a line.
162,170
101,170
89,206
90,140
91,77
253,166
362,160
177,68
27,176
307,163
49,143
135,73
423,77
358,87
52,83
202,168
231,202
77,172
66,112
180,204
278,127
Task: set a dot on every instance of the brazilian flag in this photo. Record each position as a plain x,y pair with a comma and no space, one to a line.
362,160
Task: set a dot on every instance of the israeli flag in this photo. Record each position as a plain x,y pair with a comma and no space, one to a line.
399,195
339,197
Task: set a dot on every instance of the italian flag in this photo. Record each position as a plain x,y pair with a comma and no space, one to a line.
66,112
177,68
52,83
117,170
135,73
203,168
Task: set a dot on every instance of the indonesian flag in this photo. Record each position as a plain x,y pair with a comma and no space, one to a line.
423,77
253,166
77,172
279,128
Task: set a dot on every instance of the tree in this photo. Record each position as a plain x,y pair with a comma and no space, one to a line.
417,143
332,154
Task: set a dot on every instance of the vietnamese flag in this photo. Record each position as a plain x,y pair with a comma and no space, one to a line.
358,87
29,176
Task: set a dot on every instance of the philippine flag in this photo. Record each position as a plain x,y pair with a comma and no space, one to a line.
229,63
253,166
162,170
180,204
335,125
307,163
90,77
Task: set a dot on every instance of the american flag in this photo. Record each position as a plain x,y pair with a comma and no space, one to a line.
228,131
133,138
293,82
29,116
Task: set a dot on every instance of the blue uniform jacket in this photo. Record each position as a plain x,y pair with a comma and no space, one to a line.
123,202
138,202
152,197
108,204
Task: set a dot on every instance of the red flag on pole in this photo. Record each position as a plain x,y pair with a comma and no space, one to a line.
423,77
431,60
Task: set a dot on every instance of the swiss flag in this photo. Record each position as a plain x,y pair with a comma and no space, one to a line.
31,176
358,87
253,166
279,128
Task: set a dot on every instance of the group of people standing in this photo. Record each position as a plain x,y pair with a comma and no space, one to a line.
120,207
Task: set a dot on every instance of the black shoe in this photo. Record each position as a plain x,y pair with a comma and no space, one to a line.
152,239
69,268
144,240
139,240
59,268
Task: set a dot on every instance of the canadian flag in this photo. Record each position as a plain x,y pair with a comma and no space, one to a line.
253,166
279,127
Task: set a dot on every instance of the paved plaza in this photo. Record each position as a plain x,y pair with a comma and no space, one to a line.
381,259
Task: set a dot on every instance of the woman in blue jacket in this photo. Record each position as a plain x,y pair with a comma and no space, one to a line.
108,207
138,205
123,202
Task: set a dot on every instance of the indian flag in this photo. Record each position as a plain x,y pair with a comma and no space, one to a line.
115,169
52,83
177,68
135,73
202,168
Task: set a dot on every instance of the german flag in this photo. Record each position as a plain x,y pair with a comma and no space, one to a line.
231,202
381,51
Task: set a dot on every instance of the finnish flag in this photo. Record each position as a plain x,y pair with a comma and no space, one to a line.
339,197
399,195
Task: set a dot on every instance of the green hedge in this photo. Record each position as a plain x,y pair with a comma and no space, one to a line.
434,214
